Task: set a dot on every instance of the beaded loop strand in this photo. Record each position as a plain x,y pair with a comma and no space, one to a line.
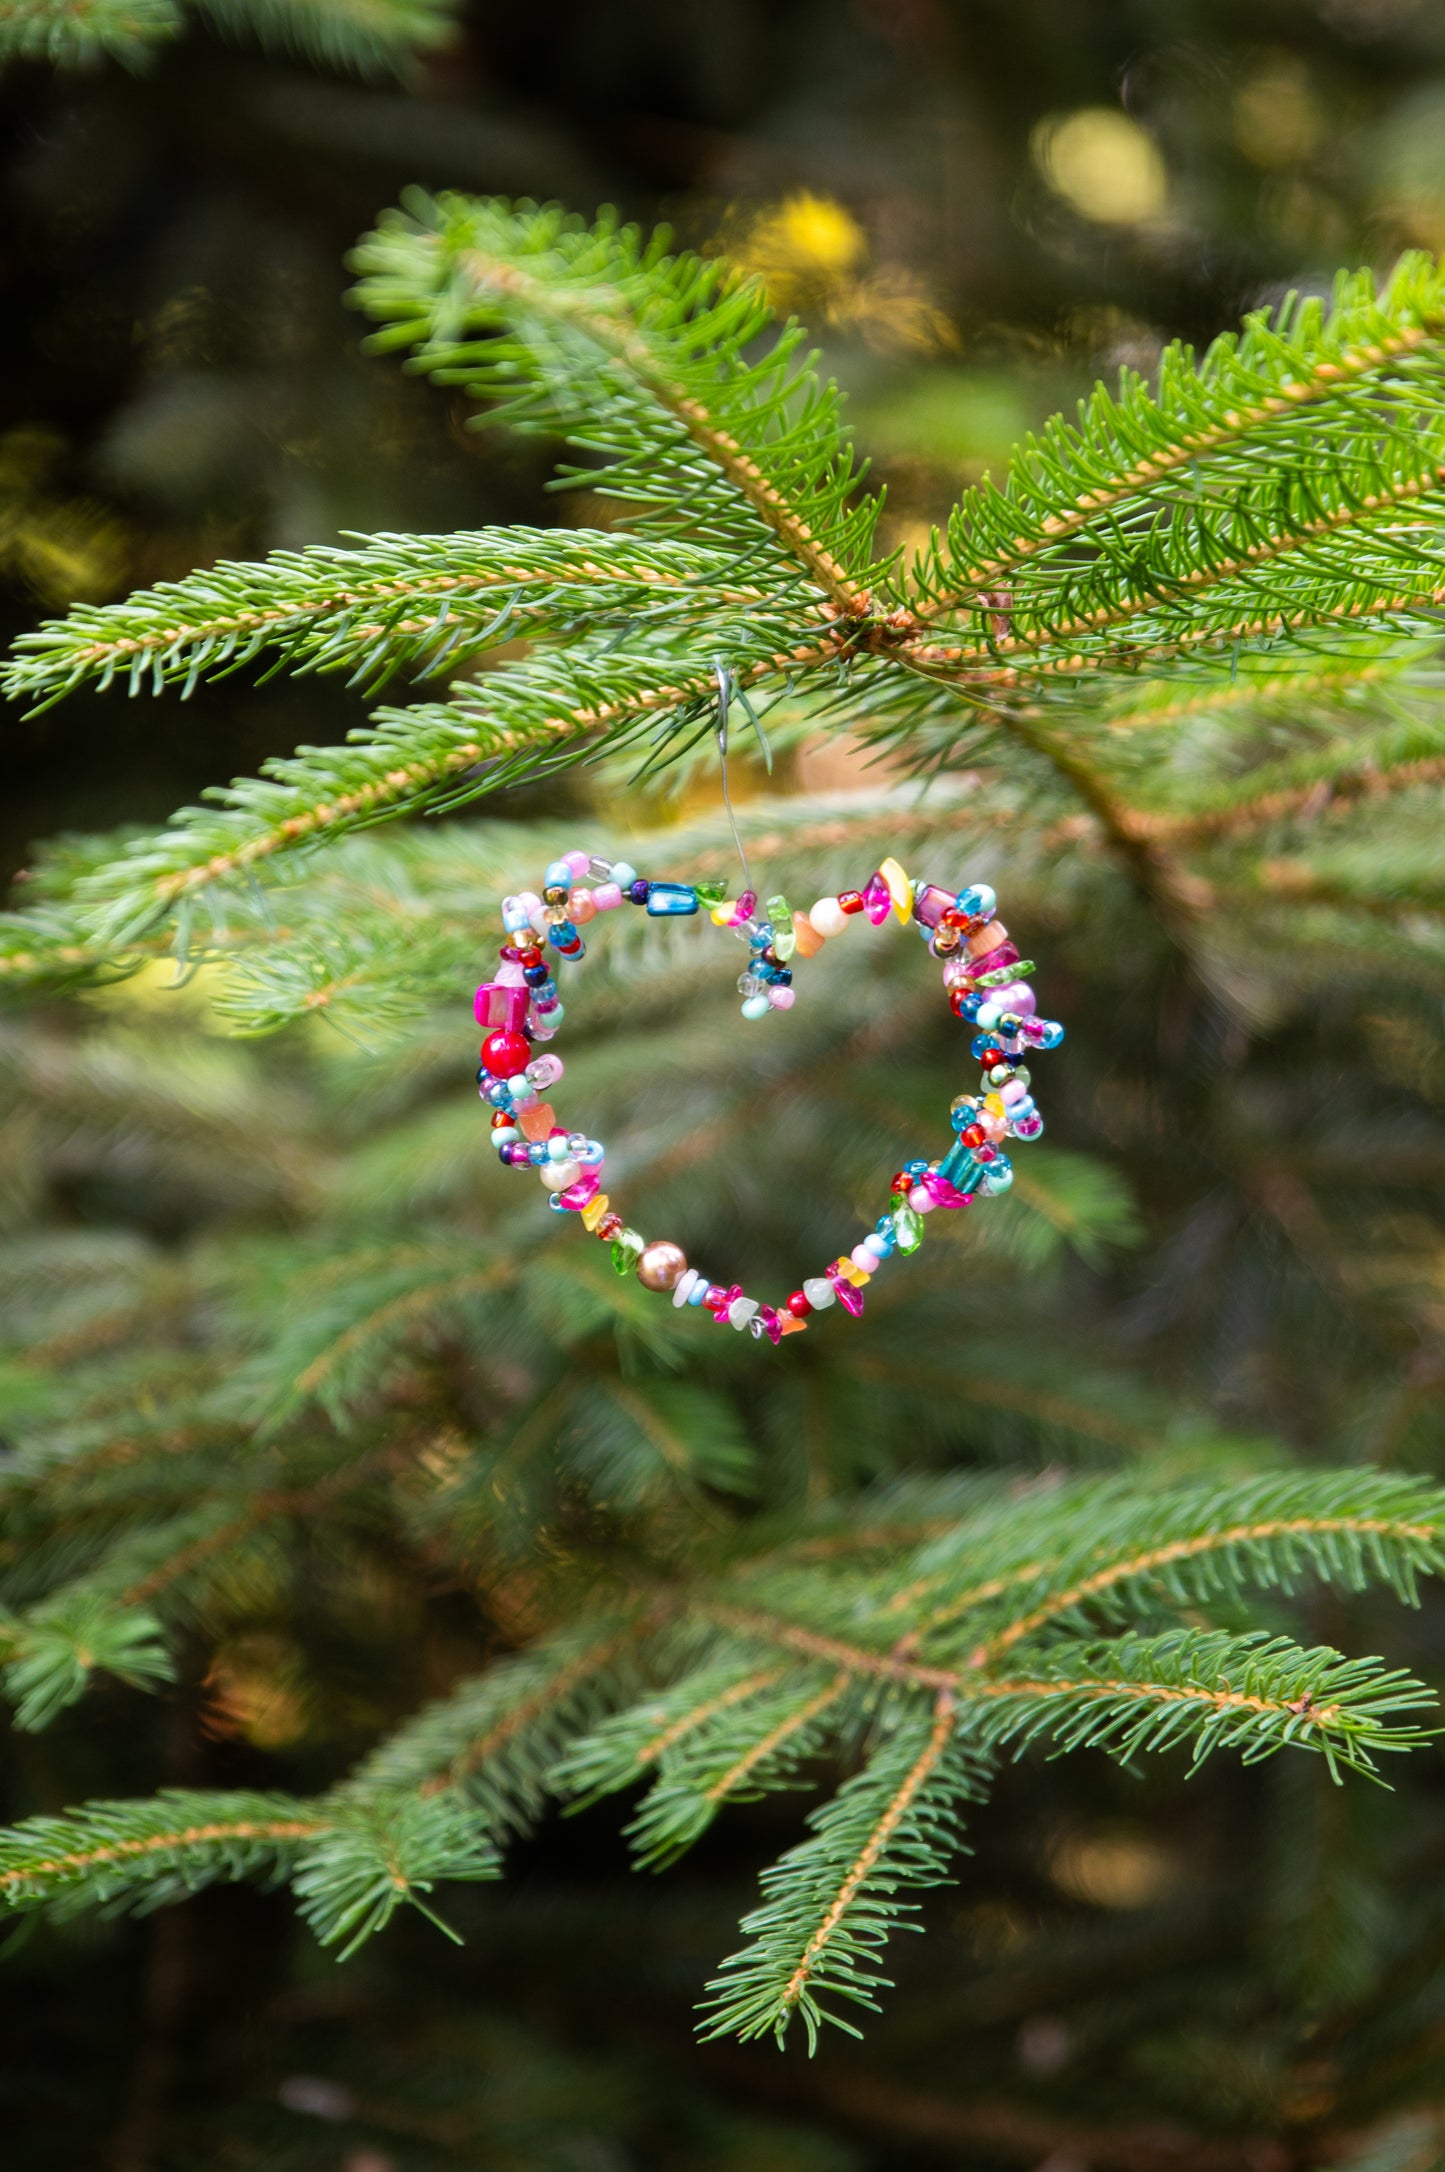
987,986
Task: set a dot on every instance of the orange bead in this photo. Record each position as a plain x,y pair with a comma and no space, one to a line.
987,938
790,1324
809,942
538,1123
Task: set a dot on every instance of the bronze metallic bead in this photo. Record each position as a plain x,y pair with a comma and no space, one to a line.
661,1266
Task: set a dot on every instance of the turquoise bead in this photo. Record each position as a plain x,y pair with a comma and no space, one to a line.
959,1168
756,1007
671,900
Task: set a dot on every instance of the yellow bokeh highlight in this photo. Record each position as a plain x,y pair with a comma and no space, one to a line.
1103,165
804,236
1278,120
812,255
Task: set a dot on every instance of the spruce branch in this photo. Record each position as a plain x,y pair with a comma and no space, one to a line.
1205,1691
595,334
399,603
81,33
830,1903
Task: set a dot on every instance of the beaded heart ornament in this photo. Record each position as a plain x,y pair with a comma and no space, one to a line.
982,972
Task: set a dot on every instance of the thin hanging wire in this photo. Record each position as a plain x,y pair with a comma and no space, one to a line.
724,703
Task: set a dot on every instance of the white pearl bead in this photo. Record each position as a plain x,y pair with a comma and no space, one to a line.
828,916
557,1175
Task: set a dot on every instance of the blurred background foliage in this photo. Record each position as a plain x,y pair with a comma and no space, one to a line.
978,207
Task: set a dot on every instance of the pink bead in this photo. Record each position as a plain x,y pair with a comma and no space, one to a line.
545,1070
781,999
607,896
577,1195
922,1202
956,970
510,975
931,904
1006,954
1015,1090
877,900
942,1192
862,1257
744,909
500,1006
582,907
579,862
849,1296
769,1322
1018,997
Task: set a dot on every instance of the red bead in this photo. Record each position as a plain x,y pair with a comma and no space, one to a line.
504,1120
505,1054
903,1182
973,1135
957,1000
798,1305
851,900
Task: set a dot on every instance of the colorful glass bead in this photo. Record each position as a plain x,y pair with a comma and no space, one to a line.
594,1210
607,896
850,1298
930,904
900,889
909,1225
877,900
671,900
626,1249
581,1191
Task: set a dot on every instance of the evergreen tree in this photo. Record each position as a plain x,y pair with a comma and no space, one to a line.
1175,680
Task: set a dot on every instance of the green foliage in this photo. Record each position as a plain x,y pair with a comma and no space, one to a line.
365,1400
368,36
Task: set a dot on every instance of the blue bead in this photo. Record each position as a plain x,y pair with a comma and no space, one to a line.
562,934
978,901
1052,1034
698,1292
543,990
537,1152
624,874
971,1006
671,900
558,876
499,1093
915,1168
982,1041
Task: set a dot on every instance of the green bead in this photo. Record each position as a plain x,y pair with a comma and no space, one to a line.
627,1250
780,913
1004,976
711,893
908,1226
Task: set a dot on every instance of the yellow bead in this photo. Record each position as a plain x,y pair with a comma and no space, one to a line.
994,1104
722,914
594,1210
851,1271
900,889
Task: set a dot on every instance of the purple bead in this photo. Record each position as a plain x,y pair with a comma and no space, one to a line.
638,890
1017,998
931,904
